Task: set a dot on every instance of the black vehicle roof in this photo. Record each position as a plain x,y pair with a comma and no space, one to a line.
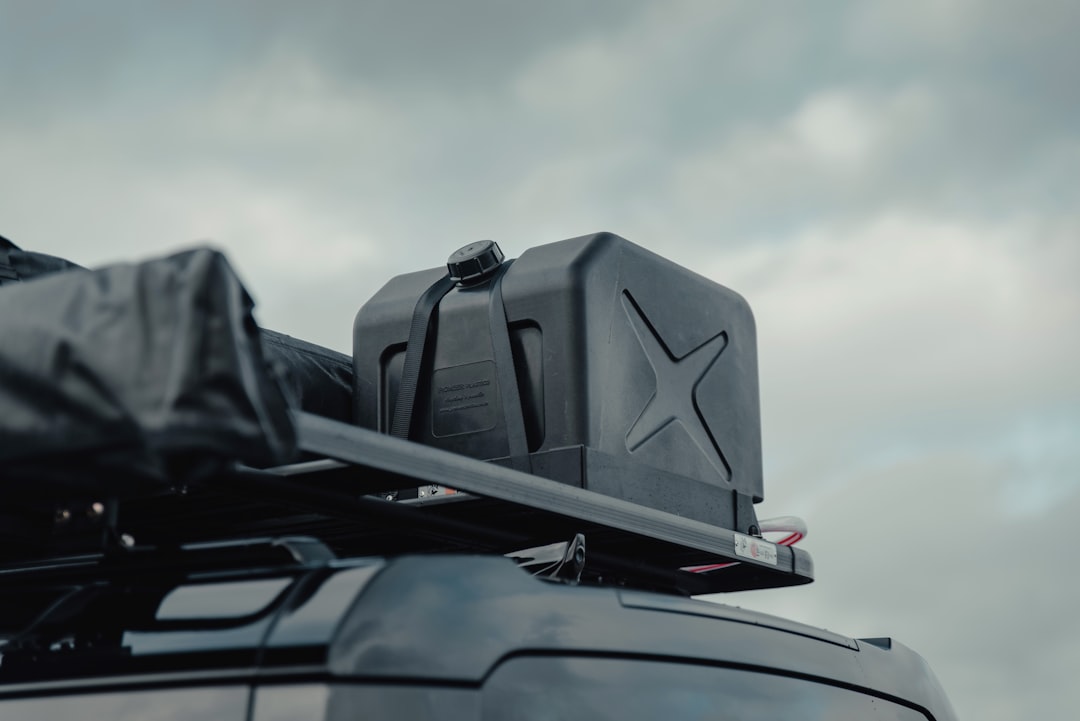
446,619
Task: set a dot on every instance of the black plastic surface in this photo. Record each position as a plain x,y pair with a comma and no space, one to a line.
617,351
474,262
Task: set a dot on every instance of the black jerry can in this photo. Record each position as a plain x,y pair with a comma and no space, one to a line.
635,377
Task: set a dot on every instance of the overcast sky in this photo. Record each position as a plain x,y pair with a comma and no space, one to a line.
894,186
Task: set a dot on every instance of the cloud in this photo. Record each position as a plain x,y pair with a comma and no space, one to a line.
920,551
830,155
907,329
920,411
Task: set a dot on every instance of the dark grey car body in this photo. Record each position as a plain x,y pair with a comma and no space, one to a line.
436,637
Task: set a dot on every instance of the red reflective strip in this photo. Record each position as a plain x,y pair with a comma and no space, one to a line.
789,540
710,567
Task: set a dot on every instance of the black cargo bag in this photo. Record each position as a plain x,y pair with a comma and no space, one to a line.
152,371
319,378
17,265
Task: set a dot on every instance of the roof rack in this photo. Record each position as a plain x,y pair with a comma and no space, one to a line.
338,499
202,557
498,509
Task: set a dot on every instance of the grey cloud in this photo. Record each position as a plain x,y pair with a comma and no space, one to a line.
930,558
595,120
67,51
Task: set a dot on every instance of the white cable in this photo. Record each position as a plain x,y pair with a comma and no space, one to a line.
794,526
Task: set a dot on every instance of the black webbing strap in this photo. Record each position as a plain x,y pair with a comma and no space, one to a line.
513,413
414,355
419,330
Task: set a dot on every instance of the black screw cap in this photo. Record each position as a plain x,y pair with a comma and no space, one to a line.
474,262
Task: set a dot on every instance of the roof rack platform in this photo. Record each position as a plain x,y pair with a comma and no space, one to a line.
339,499
498,509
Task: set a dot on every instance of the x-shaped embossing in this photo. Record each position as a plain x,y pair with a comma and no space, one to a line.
676,384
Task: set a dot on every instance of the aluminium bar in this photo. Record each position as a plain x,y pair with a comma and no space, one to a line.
399,459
